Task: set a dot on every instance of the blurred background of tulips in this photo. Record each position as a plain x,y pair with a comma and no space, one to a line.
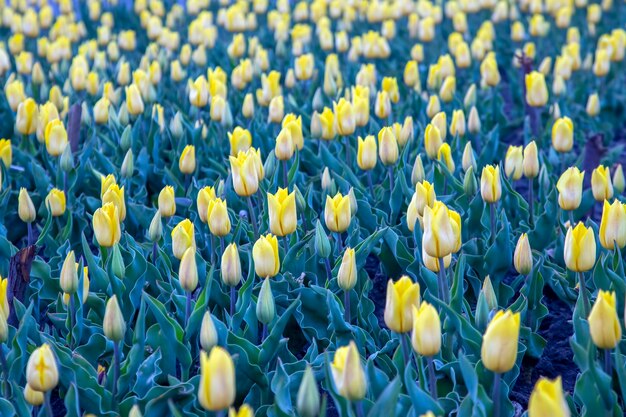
353,208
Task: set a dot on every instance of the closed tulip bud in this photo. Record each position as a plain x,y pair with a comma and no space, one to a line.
55,137
265,256
101,111
473,124
42,373
337,213
433,106
128,165
457,125
284,148
470,184
619,182
265,306
276,110
156,228
354,206
536,89
4,300
26,208
444,155
468,159
216,391
69,277
308,400
347,275
208,333
247,108
32,397
523,257
469,101
245,172
432,140
304,66
26,117
593,105
344,117
231,266
240,140
513,162
134,411
499,349
327,181
602,63
417,174
167,201
448,88
6,153
387,146
601,184
426,336
570,188
382,106
134,101
604,325
4,329
55,202
401,297
282,212
188,270
113,324
530,164
348,373
366,153
613,225
442,230
117,263
489,73
187,161
183,238
563,134
245,410
411,74
322,244
547,399
490,185
579,248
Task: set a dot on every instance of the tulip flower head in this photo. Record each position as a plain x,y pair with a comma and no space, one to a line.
282,212
348,373
604,325
442,230
579,248
613,225
337,213
216,391
41,371
548,399
426,336
499,349
265,256
401,297
490,185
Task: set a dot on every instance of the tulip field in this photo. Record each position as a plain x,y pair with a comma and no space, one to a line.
313,208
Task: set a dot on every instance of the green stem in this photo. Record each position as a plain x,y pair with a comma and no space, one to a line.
187,308
255,226
432,378
445,297
47,405
5,372
346,305
531,201
285,175
31,236
72,313
233,300
496,394
359,409
492,216
406,354
116,372
607,362
391,180
583,293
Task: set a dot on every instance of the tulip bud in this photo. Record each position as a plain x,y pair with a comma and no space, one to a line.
547,399
530,164
401,297
69,277
366,153
563,134
513,162
128,165
187,161
26,208
570,186
348,373
4,329
490,185
426,336
601,184
322,244
67,159
523,257
417,174
32,397
613,225
216,391
265,256
284,148
469,100
337,213
619,183
499,349
347,276
113,324
156,228
579,249
433,107
117,263
473,124
208,333
247,109
231,266
55,202
468,161
42,373
188,270
265,307
135,411
432,140
593,105
470,184
604,326
308,400
183,237
167,201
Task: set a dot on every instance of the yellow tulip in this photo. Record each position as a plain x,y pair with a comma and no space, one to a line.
432,140
613,225
411,74
619,182
473,123
114,194
240,140
284,148
499,349
265,256
448,88
444,155
183,238
426,336
188,270
433,107
579,249
244,411
282,212
187,161
26,117
366,153
457,124
101,111
530,164
42,373
513,162
382,106
604,325
536,89
387,146
47,113
55,137
167,201
245,172
25,207
4,300
32,397
247,108
294,125
6,152
593,105
230,266
113,324
547,399
106,225
402,296
304,65
570,187
489,70
218,218
216,391
327,120
490,185
348,373
205,196
602,63
337,214
523,256
442,230
601,184
361,105
276,110
347,275
55,201
563,134
134,101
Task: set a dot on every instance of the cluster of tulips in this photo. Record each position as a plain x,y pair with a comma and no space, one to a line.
201,202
